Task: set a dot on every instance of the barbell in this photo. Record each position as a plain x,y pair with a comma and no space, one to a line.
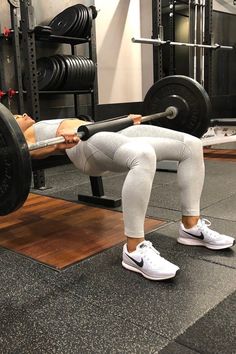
160,42
176,102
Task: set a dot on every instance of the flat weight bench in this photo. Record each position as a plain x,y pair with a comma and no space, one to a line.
97,189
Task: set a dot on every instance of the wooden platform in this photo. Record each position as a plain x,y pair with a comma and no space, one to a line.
60,233
220,154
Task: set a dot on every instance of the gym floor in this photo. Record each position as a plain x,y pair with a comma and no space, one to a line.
96,306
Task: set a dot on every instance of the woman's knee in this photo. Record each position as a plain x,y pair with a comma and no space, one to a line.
194,145
144,157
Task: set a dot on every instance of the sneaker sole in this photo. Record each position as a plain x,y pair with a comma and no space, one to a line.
190,242
129,267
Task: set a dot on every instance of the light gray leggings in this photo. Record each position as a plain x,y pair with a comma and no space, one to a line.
136,150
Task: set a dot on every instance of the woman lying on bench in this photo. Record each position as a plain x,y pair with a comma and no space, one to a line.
136,151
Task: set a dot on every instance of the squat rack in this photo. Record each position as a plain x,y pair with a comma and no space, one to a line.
26,36
200,16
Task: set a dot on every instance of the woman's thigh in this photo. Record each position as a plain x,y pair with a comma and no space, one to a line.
168,144
97,155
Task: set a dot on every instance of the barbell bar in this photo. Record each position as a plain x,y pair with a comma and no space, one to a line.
84,132
160,42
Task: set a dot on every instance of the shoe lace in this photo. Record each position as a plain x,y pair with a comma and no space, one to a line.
148,251
204,227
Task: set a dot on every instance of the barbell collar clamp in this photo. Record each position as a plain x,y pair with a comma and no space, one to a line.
172,112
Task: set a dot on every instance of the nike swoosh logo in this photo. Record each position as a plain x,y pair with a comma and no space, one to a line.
140,264
201,237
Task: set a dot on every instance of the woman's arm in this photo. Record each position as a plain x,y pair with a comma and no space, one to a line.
71,139
42,153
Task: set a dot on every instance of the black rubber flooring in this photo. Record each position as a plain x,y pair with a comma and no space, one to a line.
96,306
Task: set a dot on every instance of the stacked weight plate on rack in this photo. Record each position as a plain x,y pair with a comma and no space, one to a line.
75,21
65,72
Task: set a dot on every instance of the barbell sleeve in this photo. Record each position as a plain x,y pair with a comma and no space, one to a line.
113,125
170,113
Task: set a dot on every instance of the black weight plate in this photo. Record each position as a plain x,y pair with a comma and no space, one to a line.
70,73
84,24
84,21
91,72
45,73
188,96
62,72
80,72
15,164
74,72
63,23
43,30
82,14
83,73
74,82
55,83
75,30
86,82
55,73
62,59
89,22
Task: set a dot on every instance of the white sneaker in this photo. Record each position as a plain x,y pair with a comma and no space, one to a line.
147,261
201,235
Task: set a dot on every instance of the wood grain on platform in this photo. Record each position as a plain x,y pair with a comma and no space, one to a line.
220,154
60,233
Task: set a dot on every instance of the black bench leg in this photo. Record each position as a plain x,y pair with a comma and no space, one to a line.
98,196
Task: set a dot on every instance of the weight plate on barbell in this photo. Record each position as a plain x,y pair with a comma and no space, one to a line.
188,96
15,164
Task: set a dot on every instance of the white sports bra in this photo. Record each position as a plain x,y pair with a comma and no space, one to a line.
46,129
